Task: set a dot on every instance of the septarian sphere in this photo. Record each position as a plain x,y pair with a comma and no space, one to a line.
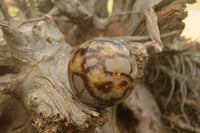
102,72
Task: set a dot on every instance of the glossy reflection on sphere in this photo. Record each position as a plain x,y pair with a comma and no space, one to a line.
102,72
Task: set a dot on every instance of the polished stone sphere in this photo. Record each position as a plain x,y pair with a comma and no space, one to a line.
102,72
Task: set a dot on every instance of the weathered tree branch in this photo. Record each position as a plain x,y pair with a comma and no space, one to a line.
45,90
147,110
80,15
4,11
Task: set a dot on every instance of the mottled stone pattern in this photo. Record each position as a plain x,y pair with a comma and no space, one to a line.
102,72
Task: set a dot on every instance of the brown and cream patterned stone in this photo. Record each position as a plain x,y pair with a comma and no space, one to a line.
102,72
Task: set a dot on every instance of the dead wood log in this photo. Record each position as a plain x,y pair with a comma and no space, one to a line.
41,81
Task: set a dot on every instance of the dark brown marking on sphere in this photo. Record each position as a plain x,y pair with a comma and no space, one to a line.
131,68
123,83
109,102
104,67
127,76
91,68
104,87
81,51
116,55
126,91
69,67
73,58
83,77
92,50
123,56
117,73
86,84
112,100
90,41
107,72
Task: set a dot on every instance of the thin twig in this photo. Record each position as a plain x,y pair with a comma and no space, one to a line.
145,38
178,122
153,29
31,21
125,13
53,11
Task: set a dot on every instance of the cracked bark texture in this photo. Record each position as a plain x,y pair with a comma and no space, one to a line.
34,62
